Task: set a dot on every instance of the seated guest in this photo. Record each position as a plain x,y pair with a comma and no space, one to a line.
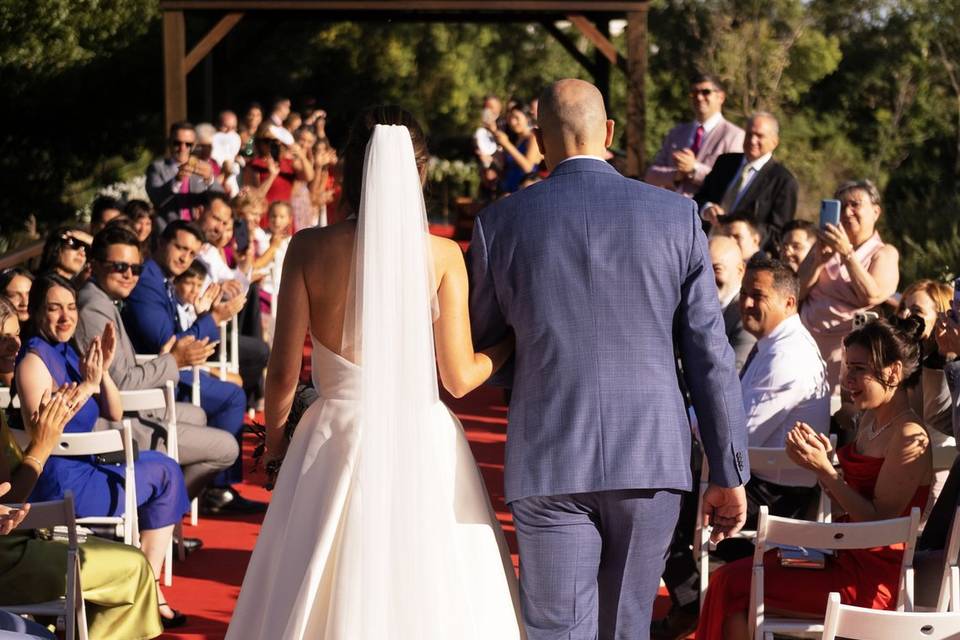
65,252
885,472
103,210
783,383
690,148
141,215
47,363
118,583
9,341
217,226
739,227
187,287
752,183
178,183
15,286
202,451
795,243
150,318
728,269
849,269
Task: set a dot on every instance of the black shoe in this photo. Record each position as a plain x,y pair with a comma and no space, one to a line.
189,545
222,501
679,623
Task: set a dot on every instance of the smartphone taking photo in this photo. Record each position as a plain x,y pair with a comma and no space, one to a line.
829,213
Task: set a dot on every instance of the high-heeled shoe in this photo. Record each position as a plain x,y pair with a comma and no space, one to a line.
178,619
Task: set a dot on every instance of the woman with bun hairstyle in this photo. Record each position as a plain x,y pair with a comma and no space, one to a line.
884,472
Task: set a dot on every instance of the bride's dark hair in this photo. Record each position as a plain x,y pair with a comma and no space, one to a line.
356,148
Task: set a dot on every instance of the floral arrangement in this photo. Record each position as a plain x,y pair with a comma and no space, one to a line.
133,189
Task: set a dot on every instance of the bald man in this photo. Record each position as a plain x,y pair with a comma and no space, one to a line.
599,276
728,270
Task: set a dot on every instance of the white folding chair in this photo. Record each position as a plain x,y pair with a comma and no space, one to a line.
949,598
773,531
228,351
772,462
95,443
857,623
47,515
944,453
6,400
160,398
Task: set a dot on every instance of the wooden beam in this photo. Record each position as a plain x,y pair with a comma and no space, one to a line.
601,77
209,41
571,48
561,6
637,48
600,41
174,74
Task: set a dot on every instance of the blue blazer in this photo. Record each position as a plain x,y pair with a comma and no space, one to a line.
599,276
150,314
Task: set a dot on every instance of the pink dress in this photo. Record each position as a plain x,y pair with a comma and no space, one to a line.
828,310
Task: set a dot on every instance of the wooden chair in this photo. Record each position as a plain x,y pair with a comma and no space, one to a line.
95,443
160,398
773,462
857,623
70,608
773,531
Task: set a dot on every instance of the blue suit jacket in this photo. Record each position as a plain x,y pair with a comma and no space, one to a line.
150,315
599,276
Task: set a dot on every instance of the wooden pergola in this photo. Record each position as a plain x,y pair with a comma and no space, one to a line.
590,17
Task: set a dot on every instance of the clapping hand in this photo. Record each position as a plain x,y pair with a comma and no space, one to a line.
226,310
188,351
724,510
91,367
108,345
947,334
684,160
809,449
10,519
205,301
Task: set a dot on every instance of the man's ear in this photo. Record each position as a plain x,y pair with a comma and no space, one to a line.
538,134
609,139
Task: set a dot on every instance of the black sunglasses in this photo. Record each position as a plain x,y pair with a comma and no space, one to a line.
73,243
121,267
701,92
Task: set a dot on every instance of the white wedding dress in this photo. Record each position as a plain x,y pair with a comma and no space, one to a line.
380,526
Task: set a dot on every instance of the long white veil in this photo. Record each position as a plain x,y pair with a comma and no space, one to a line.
405,559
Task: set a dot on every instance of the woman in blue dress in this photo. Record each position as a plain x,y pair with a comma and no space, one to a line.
521,154
46,363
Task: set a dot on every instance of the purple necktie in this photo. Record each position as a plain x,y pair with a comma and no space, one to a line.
697,140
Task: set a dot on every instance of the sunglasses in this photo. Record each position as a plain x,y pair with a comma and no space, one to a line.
73,243
121,267
176,144
701,92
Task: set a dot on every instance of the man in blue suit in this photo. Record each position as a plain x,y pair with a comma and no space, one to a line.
150,317
599,276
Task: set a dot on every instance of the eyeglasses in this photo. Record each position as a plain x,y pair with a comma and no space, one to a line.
177,144
121,267
705,93
73,243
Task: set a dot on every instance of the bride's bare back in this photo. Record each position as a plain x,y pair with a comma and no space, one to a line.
316,276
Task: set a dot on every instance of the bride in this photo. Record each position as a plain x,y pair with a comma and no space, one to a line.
379,526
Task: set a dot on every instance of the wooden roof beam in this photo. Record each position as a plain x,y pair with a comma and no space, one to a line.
210,40
600,41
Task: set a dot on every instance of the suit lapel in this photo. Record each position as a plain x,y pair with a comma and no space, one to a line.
753,189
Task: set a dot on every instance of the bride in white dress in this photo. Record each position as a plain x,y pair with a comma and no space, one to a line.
379,526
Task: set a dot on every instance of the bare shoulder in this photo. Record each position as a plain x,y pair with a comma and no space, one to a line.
888,252
446,253
911,436
308,244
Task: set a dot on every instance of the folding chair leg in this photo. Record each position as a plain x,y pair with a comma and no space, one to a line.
194,512
81,611
178,535
168,564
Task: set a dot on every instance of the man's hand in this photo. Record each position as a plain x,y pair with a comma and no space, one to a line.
10,519
231,288
712,213
211,296
188,351
684,160
226,310
725,510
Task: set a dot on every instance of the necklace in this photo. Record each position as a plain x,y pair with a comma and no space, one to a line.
873,431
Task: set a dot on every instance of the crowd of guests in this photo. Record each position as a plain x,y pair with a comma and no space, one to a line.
161,278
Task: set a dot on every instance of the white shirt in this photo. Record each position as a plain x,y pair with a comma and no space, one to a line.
785,382
485,141
186,314
217,268
268,285
581,157
756,166
708,125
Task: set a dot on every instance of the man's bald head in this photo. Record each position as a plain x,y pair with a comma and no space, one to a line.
572,120
727,263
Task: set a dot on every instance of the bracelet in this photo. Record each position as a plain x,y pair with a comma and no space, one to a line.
36,461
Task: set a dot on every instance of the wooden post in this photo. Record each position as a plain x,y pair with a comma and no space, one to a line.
636,92
174,73
601,75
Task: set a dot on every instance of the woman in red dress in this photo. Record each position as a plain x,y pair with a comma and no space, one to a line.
884,473
275,167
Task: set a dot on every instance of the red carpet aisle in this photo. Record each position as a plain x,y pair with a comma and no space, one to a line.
206,586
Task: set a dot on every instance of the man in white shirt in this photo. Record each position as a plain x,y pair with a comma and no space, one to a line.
783,382
690,148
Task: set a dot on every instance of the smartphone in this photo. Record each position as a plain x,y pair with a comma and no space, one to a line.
954,309
829,213
863,318
241,235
